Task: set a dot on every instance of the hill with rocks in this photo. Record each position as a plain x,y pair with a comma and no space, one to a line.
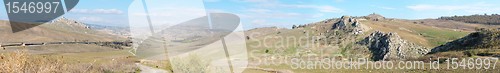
373,36
59,30
389,46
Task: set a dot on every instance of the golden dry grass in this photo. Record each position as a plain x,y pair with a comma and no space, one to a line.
22,62
427,36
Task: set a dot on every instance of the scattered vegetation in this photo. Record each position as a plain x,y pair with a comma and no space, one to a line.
190,64
489,38
493,19
484,42
483,39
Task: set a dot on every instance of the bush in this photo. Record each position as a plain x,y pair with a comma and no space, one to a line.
193,63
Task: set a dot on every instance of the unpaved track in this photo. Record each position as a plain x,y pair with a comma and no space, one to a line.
147,69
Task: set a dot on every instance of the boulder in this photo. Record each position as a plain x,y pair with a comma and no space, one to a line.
390,46
349,25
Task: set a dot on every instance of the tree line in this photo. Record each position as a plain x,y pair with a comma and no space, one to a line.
492,19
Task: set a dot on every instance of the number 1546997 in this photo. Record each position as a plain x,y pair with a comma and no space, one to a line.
32,7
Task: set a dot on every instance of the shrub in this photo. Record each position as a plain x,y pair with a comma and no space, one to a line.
192,63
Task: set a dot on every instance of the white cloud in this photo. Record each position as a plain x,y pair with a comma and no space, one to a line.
318,15
320,8
338,0
278,5
424,7
170,16
216,11
264,13
92,19
386,8
383,7
265,23
259,22
97,11
328,9
255,10
257,1
211,0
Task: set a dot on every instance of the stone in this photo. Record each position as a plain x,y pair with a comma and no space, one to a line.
390,46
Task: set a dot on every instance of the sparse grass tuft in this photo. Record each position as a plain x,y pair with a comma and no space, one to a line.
22,62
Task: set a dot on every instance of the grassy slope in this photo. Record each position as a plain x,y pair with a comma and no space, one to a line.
81,58
420,34
427,36
53,32
75,52
483,43
72,54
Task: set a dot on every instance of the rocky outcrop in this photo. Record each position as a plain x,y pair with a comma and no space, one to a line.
381,46
389,46
345,31
374,17
349,24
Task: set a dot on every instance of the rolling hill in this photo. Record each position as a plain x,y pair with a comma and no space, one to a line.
376,38
484,42
60,30
493,19
351,36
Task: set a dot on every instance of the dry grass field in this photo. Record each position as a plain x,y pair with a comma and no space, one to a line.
72,61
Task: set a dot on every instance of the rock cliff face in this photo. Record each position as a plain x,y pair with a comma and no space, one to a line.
348,24
389,46
347,31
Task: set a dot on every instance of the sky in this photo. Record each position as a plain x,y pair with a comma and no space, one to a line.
284,13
